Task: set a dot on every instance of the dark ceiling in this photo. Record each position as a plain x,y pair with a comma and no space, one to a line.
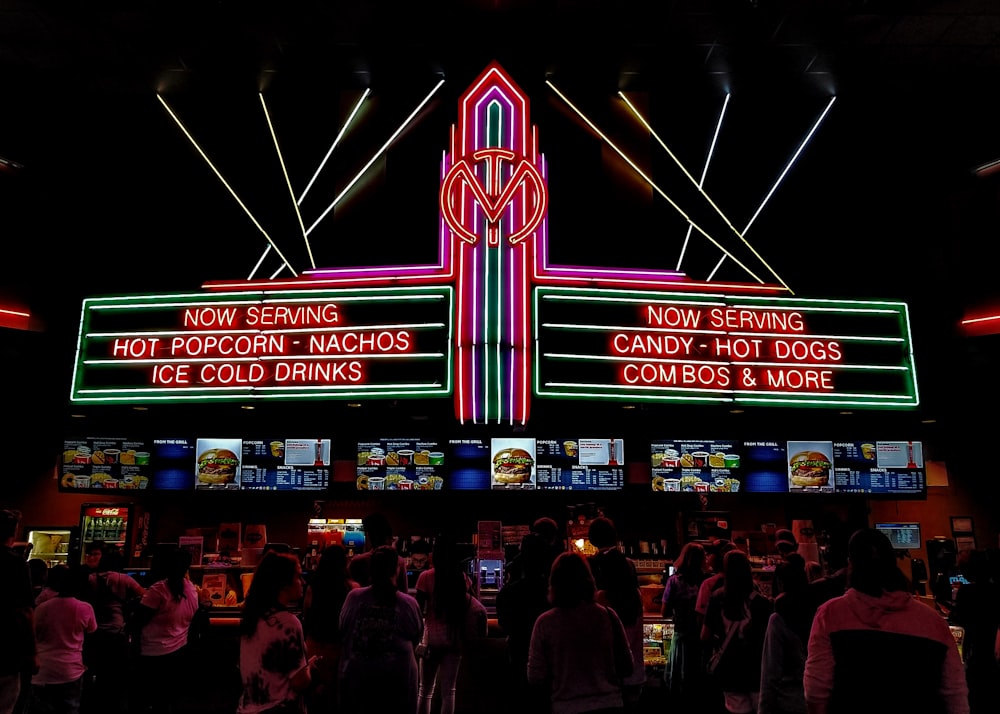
111,197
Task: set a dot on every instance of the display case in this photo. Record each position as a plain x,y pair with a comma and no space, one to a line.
52,544
657,632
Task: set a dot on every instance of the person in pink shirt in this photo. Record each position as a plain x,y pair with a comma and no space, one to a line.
60,626
876,648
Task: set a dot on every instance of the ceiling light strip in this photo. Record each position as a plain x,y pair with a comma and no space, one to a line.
649,181
224,182
375,158
284,172
774,187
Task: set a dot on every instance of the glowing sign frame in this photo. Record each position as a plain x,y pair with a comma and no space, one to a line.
493,268
891,314
168,309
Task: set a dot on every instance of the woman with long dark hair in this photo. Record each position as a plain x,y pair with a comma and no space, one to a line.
321,605
273,665
452,616
380,628
735,625
578,649
683,673
163,619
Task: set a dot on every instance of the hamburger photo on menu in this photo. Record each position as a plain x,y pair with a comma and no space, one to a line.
218,464
810,466
513,463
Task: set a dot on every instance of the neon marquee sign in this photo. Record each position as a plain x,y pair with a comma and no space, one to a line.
494,322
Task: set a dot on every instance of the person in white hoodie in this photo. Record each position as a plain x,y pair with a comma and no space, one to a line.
878,649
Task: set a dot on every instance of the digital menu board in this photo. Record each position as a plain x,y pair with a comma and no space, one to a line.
400,464
285,464
513,464
580,464
765,466
889,467
810,466
217,465
696,465
469,464
108,464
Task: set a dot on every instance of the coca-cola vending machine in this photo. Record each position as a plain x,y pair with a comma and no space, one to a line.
119,525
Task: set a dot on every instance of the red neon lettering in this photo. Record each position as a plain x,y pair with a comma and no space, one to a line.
737,347
385,341
808,350
228,373
331,372
742,319
292,316
135,348
677,375
794,380
210,317
672,316
172,374
654,345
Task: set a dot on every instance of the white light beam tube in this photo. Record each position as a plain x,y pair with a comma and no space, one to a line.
781,177
333,146
224,182
375,157
649,180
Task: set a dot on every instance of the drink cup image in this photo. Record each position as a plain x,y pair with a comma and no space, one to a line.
406,485
110,483
111,456
81,482
376,483
405,457
436,458
142,458
671,484
700,458
701,486
732,461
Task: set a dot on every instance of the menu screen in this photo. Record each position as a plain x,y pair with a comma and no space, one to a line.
580,464
810,466
513,465
170,460
285,465
105,464
217,465
903,536
765,467
890,467
700,466
469,464
405,464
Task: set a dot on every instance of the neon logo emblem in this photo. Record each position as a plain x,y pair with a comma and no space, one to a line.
494,199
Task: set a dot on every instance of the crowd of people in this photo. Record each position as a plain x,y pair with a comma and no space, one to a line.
361,637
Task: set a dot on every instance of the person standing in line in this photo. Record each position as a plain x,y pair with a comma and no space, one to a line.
877,635
273,665
17,654
378,533
162,621
621,594
106,652
977,611
734,627
380,628
784,659
518,605
578,649
711,698
683,673
321,605
452,617
60,626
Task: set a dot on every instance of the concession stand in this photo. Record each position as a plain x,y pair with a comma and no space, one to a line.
492,386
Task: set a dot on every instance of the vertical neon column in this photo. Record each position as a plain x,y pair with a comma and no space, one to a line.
493,199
